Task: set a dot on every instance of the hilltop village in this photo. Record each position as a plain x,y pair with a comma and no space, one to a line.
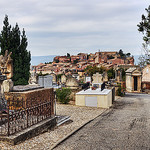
77,64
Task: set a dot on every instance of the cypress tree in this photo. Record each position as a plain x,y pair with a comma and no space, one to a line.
5,37
16,42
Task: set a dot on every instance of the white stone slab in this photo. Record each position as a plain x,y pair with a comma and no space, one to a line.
94,92
91,101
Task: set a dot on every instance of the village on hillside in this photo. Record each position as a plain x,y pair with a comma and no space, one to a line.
75,64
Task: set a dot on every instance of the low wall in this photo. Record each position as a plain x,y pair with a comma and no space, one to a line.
30,132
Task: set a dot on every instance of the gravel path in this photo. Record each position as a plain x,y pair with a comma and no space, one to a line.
78,115
125,127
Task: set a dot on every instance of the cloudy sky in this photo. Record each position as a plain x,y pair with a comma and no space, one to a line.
55,27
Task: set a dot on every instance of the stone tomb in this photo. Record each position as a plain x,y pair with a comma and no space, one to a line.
72,83
94,98
28,96
133,80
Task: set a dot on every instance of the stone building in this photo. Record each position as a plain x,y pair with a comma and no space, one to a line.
133,80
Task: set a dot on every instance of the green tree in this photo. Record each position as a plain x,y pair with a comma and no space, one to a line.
144,27
128,54
63,95
93,69
121,53
5,37
56,60
68,55
14,41
111,73
75,61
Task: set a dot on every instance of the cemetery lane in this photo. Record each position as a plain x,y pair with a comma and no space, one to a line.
126,126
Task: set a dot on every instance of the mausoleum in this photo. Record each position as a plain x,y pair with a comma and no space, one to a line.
133,80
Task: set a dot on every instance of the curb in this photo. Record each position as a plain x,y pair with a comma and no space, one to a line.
76,130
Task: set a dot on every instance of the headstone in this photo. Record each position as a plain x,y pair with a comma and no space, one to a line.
63,79
97,78
33,78
72,83
54,77
105,77
7,86
88,79
45,81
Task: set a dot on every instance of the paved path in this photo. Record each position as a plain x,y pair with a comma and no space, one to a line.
125,127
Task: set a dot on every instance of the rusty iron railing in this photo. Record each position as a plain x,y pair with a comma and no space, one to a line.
15,121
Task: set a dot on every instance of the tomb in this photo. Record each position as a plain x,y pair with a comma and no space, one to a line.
133,80
94,98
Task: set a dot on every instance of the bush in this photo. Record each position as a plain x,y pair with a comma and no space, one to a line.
120,91
63,95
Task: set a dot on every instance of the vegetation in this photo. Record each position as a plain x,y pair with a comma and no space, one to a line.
120,91
144,27
56,60
111,57
111,73
124,55
75,61
58,77
68,55
14,41
92,70
63,95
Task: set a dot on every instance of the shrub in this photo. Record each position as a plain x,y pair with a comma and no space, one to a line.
120,91
63,95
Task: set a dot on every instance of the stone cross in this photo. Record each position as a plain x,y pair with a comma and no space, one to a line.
97,78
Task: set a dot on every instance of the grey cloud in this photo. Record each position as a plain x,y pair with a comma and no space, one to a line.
76,24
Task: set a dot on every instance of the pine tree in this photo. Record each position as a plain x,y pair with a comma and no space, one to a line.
15,42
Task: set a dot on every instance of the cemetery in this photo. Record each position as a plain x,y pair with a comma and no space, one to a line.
28,110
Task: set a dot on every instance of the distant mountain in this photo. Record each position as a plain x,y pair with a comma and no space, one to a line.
35,60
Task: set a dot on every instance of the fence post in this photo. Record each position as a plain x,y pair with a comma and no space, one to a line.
8,133
27,116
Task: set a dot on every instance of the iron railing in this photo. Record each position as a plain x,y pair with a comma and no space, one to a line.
14,121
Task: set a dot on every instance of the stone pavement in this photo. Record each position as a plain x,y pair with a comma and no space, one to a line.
78,115
125,127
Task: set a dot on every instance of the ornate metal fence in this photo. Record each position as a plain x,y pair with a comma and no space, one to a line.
15,121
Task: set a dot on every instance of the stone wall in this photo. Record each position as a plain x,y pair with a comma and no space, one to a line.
27,99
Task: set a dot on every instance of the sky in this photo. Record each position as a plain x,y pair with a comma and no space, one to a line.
57,27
